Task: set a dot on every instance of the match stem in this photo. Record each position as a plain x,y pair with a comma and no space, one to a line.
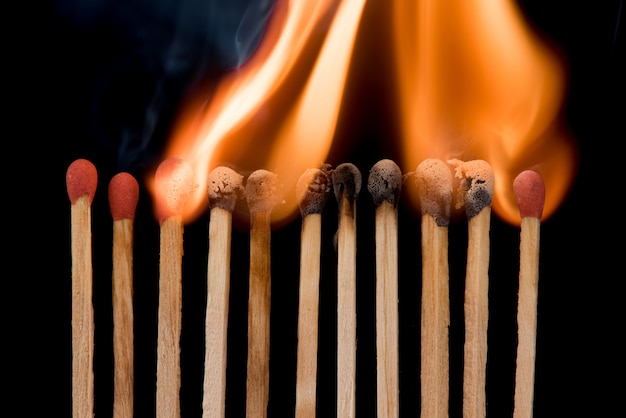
257,381
216,325
476,315
123,348
387,310
308,313
435,319
82,309
527,317
169,318
346,309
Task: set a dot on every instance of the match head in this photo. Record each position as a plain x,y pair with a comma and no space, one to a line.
173,184
530,193
477,183
312,190
81,179
385,182
123,196
225,187
346,182
263,191
433,179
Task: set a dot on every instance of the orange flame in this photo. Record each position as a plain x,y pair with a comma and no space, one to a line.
474,83
279,111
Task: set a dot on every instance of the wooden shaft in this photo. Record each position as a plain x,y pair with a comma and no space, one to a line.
170,318
123,350
435,360
82,310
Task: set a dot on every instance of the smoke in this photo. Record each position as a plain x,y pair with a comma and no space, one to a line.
162,51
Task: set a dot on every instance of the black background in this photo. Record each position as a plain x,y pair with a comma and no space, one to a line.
86,79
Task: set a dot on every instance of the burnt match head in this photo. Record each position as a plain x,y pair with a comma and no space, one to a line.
263,191
530,193
312,190
433,179
225,187
81,179
385,182
123,196
346,182
476,187
173,182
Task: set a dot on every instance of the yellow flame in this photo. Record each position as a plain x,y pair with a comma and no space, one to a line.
474,83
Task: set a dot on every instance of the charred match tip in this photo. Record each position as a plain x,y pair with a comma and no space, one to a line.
312,190
433,179
476,188
346,182
263,191
385,182
174,183
225,187
530,193
81,179
123,196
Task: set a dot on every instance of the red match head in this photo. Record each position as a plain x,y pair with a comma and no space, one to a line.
81,179
174,184
530,193
123,196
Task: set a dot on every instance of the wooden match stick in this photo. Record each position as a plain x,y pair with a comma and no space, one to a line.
173,184
225,187
434,182
262,193
530,194
312,190
346,180
384,184
81,179
476,193
123,197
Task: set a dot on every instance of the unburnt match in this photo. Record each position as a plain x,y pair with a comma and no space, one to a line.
346,180
312,191
475,193
384,184
173,184
225,187
433,178
81,180
262,192
530,193
123,197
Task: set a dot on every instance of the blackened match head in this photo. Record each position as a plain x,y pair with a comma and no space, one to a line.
530,193
81,179
385,182
123,196
263,191
433,179
225,187
476,186
346,179
312,190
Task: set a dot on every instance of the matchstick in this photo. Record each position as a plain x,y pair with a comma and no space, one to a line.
123,197
346,180
384,184
312,190
530,194
476,193
81,179
434,182
173,184
225,187
262,192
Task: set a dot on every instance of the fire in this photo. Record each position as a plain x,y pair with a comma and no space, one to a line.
474,83
471,82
